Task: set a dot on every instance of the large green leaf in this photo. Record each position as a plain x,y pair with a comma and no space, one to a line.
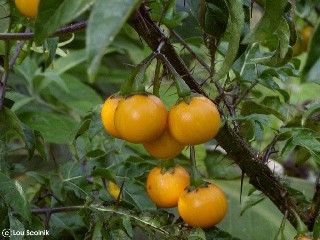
13,195
106,20
10,122
269,22
56,13
235,27
55,128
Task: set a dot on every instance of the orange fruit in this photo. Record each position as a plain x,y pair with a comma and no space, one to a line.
140,118
164,188
203,207
194,123
107,115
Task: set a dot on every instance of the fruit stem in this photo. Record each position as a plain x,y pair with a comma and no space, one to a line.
195,177
166,165
156,81
183,89
135,83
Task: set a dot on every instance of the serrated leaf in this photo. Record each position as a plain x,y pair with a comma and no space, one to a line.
311,69
106,20
13,196
54,14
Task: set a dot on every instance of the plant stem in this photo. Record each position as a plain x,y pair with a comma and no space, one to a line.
63,31
195,178
156,81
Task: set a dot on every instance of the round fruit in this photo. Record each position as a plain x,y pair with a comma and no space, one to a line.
203,207
29,8
164,188
140,118
302,238
107,115
194,123
164,147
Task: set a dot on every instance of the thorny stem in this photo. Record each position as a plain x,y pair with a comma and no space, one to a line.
63,31
237,148
248,90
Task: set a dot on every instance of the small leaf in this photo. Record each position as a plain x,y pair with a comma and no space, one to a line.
113,14
13,196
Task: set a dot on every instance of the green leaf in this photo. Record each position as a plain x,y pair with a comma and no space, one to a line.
220,166
10,122
12,194
311,69
54,14
284,52
269,22
55,128
73,59
311,111
216,18
103,172
250,107
253,198
235,27
30,139
17,226
136,192
106,20
51,45
316,228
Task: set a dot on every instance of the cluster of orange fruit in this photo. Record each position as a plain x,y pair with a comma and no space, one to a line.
143,118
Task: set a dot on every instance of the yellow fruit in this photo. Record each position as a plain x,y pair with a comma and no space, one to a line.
140,118
164,147
165,188
194,123
107,115
29,8
203,207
